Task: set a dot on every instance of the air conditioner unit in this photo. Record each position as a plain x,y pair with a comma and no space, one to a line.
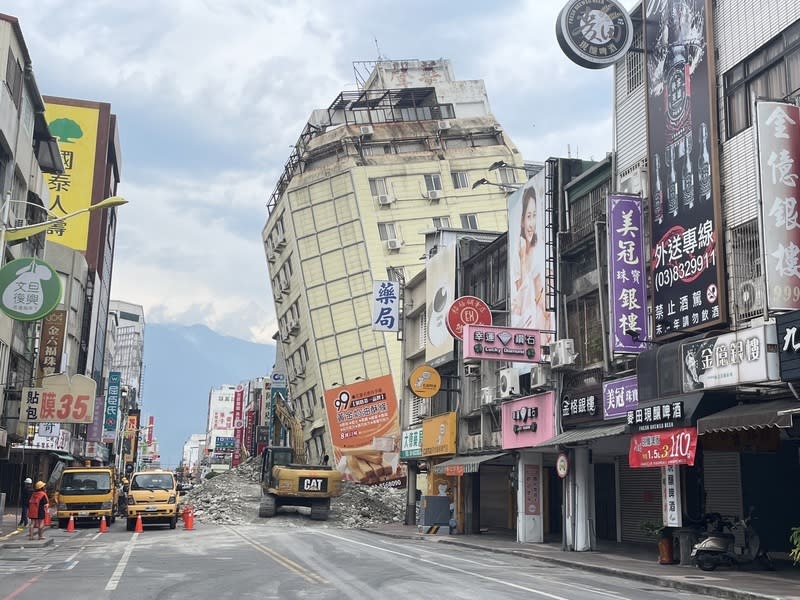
394,244
635,182
540,376
280,243
443,125
385,199
285,287
278,299
487,395
300,371
472,370
509,383
271,257
294,326
367,130
750,296
434,194
562,354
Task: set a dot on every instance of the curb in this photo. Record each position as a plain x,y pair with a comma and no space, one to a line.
686,586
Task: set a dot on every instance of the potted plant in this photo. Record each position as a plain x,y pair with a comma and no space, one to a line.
664,536
794,540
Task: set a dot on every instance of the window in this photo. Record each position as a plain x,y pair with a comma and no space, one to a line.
387,231
377,186
460,179
14,78
433,182
506,175
423,329
634,64
772,72
469,221
441,222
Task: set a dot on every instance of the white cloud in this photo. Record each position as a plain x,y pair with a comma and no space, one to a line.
210,96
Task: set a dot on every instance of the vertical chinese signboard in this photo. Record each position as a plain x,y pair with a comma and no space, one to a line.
94,432
672,510
778,130
627,274
76,128
130,440
238,425
365,430
533,490
112,407
686,215
52,344
386,306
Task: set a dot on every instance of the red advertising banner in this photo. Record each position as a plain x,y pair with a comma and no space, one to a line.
663,448
151,424
238,425
249,424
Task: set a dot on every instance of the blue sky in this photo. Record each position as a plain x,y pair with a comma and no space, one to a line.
210,96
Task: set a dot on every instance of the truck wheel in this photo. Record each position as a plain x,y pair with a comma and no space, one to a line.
266,508
112,518
320,509
173,522
130,525
62,523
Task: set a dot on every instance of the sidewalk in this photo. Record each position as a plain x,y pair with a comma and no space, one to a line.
630,563
11,537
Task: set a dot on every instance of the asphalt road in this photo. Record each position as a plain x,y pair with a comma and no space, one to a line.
256,561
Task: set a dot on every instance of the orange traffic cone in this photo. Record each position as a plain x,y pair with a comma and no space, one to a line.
188,518
103,525
139,528
70,525
48,520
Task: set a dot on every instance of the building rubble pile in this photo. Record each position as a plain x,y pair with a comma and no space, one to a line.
232,498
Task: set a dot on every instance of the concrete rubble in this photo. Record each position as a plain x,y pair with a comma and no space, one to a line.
232,498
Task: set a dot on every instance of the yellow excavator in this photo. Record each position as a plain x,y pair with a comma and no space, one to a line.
287,481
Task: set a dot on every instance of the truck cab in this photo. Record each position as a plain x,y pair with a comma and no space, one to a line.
153,496
86,494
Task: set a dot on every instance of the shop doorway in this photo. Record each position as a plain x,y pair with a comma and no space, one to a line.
552,508
605,502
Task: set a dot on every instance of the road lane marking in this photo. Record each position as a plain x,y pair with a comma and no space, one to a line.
284,561
123,562
584,588
22,587
444,566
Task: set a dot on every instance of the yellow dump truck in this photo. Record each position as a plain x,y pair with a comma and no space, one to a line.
86,494
153,495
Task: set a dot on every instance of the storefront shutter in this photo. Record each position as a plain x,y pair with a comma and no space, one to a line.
723,483
640,500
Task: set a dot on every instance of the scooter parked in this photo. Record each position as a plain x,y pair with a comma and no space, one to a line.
719,547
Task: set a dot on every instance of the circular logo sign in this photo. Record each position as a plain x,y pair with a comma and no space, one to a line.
562,465
30,289
594,33
424,381
467,310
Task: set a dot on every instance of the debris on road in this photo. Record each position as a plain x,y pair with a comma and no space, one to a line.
232,498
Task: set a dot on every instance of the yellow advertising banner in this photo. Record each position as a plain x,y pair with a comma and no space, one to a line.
365,430
439,435
75,127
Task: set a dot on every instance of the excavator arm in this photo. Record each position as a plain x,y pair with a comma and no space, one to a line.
293,426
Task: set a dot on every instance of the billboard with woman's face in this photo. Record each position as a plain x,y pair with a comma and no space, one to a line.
527,259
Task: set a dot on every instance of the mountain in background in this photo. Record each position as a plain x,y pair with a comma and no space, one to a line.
181,365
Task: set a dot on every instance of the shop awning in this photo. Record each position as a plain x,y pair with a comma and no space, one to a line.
574,436
62,455
777,413
464,464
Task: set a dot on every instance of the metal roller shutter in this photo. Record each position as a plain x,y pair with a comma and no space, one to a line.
640,500
723,483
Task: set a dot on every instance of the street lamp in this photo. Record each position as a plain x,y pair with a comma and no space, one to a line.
506,187
501,164
12,234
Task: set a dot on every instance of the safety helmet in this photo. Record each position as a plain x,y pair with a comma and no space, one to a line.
28,480
125,480
39,485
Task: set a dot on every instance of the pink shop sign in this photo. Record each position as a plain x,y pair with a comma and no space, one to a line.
528,421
